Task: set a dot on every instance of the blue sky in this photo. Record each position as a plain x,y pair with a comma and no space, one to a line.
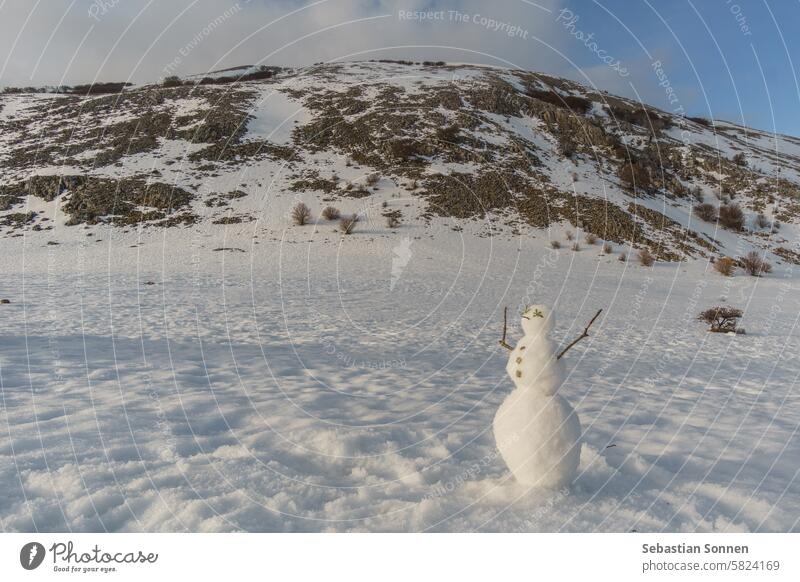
736,60
731,60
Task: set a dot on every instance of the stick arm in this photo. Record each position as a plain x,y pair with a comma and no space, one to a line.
505,327
580,337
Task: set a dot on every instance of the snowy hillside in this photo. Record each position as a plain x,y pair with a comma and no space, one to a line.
522,150
178,355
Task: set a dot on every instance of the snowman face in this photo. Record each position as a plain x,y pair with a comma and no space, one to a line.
538,320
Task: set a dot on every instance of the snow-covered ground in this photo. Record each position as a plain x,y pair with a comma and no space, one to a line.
312,382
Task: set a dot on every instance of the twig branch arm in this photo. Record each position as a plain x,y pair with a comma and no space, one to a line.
580,337
505,327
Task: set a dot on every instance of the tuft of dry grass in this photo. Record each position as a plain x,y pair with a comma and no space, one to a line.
331,213
607,248
590,238
348,224
646,258
725,266
555,244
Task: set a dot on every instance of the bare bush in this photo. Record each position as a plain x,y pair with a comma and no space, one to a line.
762,221
566,145
331,213
706,212
754,265
725,266
348,224
555,244
721,319
623,257
576,246
607,248
634,176
301,214
740,159
590,238
373,179
731,216
172,81
392,221
570,235
646,258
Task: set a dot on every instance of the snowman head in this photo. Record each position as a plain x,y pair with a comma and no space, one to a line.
538,320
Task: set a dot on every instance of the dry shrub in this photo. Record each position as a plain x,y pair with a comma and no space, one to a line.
754,265
607,249
172,81
731,216
566,145
373,179
762,221
590,238
331,213
569,235
301,214
576,246
721,319
348,224
623,257
555,244
646,258
725,266
392,221
706,212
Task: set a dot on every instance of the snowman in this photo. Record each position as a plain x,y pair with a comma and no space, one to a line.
536,430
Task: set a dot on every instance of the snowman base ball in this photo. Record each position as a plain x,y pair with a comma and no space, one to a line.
539,439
